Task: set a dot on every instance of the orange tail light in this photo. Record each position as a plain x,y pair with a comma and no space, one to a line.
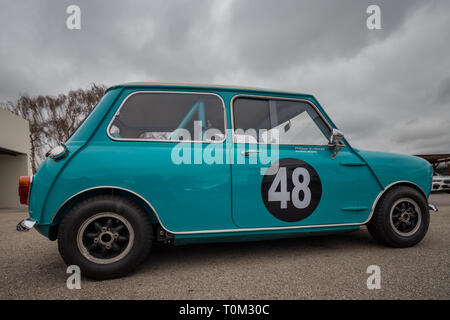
24,189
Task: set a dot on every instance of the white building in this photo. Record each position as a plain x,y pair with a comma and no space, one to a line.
15,150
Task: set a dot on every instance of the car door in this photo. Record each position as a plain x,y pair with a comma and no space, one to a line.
284,174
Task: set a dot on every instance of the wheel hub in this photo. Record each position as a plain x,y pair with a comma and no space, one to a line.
105,238
406,216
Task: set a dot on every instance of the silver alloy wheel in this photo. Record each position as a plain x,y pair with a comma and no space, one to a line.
105,238
405,217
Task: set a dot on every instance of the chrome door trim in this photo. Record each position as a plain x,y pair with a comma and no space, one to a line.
241,229
170,141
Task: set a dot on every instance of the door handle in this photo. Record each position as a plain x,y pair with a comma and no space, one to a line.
246,153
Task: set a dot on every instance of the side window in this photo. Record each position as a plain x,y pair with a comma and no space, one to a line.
170,117
295,122
251,116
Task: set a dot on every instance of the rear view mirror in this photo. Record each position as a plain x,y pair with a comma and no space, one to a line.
336,141
336,136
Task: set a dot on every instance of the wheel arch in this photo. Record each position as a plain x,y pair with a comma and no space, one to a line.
96,191
392,186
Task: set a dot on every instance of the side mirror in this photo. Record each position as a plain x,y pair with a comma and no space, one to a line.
336,136
335,142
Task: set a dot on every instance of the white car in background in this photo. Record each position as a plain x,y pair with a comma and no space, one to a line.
441,183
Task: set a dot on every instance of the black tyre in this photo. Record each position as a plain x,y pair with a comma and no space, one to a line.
106,236
401,218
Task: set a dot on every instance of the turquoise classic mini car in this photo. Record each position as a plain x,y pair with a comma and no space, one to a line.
193,163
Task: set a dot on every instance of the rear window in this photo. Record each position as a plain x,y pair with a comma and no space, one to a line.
170,117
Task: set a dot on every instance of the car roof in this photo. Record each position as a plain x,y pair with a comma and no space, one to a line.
206,86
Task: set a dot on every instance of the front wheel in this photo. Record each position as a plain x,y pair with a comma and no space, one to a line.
106,236
401,218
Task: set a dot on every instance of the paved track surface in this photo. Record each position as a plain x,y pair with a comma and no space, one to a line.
321,267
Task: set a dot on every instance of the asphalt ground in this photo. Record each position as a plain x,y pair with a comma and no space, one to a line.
319,267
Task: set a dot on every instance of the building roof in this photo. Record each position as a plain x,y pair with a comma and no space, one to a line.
436,157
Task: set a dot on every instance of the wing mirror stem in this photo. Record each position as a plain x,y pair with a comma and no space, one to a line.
335,142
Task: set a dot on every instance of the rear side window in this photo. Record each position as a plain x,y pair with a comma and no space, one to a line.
170,117
259,120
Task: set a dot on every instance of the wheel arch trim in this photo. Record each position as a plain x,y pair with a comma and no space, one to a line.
389,187
84,191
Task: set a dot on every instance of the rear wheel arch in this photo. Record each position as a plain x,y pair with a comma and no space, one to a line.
93,192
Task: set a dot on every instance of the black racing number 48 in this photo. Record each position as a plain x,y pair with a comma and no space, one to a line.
294,192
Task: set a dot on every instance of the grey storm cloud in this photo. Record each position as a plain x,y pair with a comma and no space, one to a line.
387,89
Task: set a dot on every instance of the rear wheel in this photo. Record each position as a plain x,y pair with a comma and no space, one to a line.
106,236
401,218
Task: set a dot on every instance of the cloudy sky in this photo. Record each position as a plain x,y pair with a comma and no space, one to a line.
387,89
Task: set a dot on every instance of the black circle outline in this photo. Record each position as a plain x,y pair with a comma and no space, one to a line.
291,213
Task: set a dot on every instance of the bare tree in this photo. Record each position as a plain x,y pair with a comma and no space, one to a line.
53,119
